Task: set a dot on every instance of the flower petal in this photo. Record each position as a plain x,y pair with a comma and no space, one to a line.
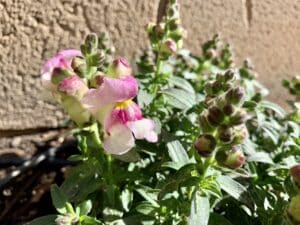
111,91
119,141
143,129
63,60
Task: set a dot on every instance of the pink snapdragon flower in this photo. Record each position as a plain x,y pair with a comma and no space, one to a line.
125,123
120,117
62,61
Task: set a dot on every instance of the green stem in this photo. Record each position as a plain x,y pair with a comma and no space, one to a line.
110,169
157,72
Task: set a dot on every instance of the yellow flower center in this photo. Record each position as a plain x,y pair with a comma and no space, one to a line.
123,105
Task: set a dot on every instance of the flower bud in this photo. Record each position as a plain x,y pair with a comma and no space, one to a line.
240,117
295,173
225,133
205,144
208,89
73,86
169,47
215,116
293,209
160,29
232,159
79,66
228,109
241,134
120,67
59,74
220,77
211,53
204,124
67,219
91,43
229,75
216,87
235,96
174,24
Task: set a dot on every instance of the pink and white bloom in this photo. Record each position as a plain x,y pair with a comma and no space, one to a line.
62,60
111,103
123,125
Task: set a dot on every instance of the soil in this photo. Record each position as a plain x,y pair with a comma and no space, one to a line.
29,164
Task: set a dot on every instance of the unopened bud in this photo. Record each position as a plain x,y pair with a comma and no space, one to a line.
169,47
295,173
228,109
204,124
174,24
59,74
150,27
225,133
91,42
293,209
160,29
216,87
67,219
205,144
241,134
232,159
235,96
73,86
97,79
120,67
79,66
240,117
215,116
229,75
208,89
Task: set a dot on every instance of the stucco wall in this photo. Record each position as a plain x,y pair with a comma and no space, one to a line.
266,31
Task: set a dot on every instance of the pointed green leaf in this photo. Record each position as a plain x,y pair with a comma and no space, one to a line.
200,210
59,199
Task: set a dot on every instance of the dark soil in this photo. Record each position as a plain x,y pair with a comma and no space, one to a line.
26,196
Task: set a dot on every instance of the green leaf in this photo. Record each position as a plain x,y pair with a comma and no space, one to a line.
134,220
85,207
131,156
262,157
44,220
59,199
182,83
177,153
231,186
87,220
127,198
179,98
216,219
144,98
145,208
149,194
276,108
200,210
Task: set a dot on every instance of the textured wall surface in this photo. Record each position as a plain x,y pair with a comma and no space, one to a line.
31,31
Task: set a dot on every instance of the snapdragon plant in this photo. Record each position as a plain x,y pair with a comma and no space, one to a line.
180,139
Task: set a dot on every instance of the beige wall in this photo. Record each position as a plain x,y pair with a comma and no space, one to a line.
31,31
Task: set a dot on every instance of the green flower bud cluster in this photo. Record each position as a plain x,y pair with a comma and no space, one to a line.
223,122
166,36
293,86
219,54
146,62
97,52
